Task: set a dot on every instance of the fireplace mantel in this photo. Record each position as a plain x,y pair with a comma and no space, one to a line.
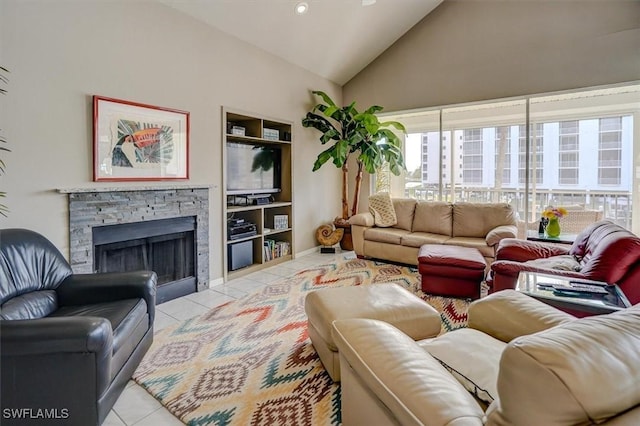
150,187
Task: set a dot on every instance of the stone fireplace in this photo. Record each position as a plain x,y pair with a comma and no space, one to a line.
164,229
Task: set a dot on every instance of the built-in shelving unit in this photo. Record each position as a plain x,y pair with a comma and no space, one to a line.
257,190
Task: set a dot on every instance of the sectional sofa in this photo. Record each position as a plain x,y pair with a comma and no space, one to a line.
519,362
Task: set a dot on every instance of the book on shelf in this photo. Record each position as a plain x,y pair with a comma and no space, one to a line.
274,249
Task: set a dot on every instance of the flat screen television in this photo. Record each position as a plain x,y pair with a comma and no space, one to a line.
253,169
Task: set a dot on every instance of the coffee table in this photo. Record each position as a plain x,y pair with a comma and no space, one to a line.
536,285
560,239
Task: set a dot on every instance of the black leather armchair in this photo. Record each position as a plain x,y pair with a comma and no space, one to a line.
68,342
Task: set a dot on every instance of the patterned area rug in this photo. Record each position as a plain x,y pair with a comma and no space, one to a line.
250,361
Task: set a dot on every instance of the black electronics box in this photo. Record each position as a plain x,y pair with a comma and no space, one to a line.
240,255
237,230
259,201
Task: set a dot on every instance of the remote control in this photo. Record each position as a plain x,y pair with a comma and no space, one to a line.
574,294
580,288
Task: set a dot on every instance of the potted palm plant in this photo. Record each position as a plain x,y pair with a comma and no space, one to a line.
350,132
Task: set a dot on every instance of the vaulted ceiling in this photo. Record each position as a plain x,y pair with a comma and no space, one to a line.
334,39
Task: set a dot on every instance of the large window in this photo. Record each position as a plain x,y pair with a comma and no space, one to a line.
579,152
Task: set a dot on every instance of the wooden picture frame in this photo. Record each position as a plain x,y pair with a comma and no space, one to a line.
138,142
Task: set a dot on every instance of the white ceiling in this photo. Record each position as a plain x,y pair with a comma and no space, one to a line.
334,39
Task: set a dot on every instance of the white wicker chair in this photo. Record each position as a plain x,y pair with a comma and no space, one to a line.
575,221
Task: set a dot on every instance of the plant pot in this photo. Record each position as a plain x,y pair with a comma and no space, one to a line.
347,242
553,228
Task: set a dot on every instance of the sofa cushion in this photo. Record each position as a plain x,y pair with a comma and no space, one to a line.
381,208
472,357
561,263
36,304
433,217
385,235
129,322
478,219
29,262
583,372
122,314
418,239
405,208
476,243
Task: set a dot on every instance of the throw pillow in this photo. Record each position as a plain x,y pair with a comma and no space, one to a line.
381,208
472,357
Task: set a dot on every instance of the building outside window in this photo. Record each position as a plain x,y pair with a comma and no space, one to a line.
472,156
537,147
580,153
569,153
610,151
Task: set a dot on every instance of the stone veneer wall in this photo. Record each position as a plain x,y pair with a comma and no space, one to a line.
89,209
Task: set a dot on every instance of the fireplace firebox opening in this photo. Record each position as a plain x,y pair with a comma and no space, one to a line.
165,246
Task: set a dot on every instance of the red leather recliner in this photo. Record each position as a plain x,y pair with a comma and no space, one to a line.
603,251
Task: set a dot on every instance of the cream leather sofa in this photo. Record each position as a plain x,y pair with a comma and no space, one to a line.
475,225
554,370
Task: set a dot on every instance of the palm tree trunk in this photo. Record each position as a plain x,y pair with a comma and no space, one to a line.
345,191
356,192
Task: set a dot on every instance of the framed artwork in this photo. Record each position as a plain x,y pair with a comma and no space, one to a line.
135,142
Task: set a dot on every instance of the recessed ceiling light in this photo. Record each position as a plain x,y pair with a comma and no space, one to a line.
301,7
368,2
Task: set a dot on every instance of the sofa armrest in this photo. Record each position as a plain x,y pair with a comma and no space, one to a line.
508,314
56,335
523,250
362,219
359,224
400,375
501,232
83,289
42,359
513,269
37,344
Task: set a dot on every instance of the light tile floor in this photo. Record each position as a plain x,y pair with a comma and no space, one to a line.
136,406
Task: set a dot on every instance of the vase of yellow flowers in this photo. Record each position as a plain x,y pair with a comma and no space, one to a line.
553,214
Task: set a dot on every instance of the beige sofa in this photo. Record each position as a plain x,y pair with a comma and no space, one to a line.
475,225
520,362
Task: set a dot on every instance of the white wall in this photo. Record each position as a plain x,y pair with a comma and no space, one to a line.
471,50
61,53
